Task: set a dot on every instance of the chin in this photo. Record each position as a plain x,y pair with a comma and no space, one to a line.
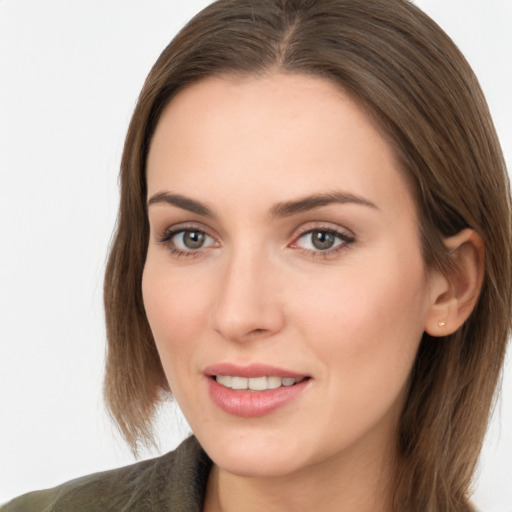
256,456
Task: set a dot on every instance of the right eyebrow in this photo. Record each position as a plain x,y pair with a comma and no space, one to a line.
185,203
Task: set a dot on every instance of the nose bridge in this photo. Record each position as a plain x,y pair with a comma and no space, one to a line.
247,300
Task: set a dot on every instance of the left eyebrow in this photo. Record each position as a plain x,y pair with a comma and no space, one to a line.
304,204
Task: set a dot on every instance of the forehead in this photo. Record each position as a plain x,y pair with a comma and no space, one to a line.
269,136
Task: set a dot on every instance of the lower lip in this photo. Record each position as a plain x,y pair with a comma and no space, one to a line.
251,404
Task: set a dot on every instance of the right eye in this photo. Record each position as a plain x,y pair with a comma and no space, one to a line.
187,241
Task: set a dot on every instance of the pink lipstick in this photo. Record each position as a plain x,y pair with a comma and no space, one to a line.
254,390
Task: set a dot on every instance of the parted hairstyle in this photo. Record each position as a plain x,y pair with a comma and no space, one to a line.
399,66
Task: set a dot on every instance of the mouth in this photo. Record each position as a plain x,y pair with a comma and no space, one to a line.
255,390
262,383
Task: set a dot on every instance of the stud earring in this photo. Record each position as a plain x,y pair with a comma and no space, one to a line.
441,323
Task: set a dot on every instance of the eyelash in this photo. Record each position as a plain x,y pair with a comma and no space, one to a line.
167,239
345,240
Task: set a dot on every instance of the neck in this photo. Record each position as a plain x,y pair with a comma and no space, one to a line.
341,484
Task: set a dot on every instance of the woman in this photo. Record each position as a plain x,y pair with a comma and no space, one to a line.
314,206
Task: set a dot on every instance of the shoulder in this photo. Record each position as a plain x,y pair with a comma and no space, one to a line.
175,481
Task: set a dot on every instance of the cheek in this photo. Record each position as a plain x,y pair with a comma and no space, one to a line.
363,299
175,307
367,324
366,334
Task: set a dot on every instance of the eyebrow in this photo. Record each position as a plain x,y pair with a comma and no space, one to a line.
279,210
185,203
304,204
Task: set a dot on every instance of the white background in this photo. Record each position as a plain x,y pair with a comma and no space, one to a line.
70,73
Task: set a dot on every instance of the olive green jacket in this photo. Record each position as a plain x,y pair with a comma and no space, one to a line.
175,482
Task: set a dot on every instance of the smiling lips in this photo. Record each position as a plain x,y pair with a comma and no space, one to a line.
255,383
253,391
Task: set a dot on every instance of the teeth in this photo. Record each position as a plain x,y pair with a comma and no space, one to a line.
239,382
258,383
273,382
225,380
255,383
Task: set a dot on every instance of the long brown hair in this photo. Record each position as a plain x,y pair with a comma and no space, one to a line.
407,73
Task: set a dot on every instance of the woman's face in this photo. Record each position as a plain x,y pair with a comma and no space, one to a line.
284,256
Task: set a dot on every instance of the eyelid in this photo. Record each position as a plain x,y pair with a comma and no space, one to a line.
323,226
166,238
173,229
346,237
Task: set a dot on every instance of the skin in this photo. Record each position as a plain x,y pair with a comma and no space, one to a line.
258,290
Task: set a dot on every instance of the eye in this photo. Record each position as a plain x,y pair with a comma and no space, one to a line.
191,240
187,241
322,240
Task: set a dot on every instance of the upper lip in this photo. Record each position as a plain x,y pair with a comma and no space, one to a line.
251,370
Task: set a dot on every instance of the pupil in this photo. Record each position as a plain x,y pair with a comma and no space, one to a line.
193,239
322,240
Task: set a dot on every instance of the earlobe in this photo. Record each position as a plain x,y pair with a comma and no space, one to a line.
454,294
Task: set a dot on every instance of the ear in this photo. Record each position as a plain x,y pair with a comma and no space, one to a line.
454,294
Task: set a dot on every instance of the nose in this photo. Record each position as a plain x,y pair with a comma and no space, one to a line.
247,302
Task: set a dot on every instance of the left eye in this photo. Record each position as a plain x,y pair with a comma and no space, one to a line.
191,240
320,240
